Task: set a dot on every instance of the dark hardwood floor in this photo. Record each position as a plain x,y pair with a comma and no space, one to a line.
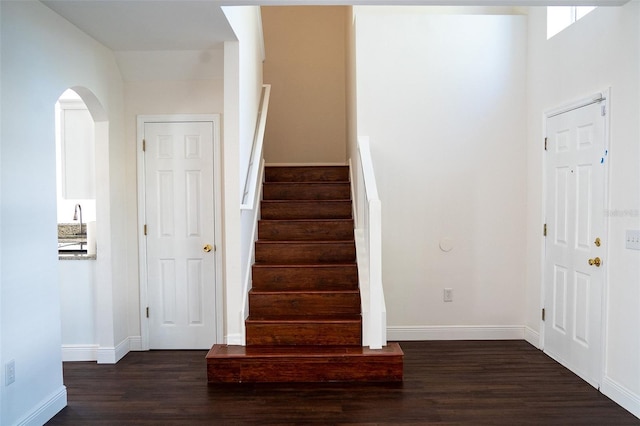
446,382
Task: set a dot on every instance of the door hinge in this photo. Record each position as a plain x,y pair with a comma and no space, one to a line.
543,314
144,145
544,230
147,312
145,229
545,144
603,110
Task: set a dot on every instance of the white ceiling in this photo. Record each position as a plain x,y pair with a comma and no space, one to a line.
139,25
127,25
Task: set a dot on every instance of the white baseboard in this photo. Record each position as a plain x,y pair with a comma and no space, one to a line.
456,332
104,355
135,343
48,408
532,336
621,395
79,353
111,355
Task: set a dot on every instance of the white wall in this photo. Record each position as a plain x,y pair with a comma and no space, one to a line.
601,50
242,88
246,22
443,101
43,55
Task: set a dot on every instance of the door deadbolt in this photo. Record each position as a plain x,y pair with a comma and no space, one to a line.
595,261
207,248
597,242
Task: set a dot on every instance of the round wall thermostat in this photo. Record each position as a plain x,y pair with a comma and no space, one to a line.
446,244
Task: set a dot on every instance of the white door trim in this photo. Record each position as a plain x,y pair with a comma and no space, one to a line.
603,97
142,248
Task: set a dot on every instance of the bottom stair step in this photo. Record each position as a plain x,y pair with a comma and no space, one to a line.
237,364
304,331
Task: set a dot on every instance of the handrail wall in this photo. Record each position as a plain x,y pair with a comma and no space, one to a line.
368,216
252,182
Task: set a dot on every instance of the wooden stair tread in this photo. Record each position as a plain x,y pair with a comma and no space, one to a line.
304,243
307,182
303,173
306,209
304,265
306,191
302,291
310,220
283,319
276,265
339,200
232,351
284,277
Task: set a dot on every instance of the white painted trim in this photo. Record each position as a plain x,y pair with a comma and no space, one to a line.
303,164
456,332
111,355
47,408
72,353
121,349
142,249
103,355
621,395
572,106
542,240
532,336
135,343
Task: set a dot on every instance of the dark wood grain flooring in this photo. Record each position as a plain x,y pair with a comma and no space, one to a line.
446,382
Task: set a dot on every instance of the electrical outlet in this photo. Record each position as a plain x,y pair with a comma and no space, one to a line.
447,295
9,372
633,239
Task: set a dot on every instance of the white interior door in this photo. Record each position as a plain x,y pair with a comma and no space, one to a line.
576,241
179,206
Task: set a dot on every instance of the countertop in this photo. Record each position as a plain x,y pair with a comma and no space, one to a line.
67,234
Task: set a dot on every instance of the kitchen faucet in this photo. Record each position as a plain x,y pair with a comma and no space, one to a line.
75,216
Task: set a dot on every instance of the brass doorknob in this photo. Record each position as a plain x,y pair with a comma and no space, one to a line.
595,261
207,248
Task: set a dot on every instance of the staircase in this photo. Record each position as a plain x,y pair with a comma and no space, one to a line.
304,320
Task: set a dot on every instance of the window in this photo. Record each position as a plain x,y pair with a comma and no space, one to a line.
560,17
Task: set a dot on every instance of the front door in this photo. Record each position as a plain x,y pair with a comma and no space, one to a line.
576,243
179,210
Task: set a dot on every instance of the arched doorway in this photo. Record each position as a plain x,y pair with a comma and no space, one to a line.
87,311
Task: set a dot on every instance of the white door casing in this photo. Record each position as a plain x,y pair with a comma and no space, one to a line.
178,200
576,241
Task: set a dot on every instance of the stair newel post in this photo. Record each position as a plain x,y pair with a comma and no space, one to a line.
371,227
376,298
